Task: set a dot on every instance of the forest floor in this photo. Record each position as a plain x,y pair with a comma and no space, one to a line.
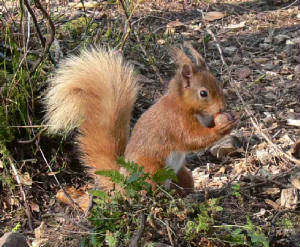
247,185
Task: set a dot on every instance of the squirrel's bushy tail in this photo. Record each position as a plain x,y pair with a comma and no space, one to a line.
94,92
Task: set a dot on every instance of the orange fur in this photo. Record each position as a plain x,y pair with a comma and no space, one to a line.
171,123
96,92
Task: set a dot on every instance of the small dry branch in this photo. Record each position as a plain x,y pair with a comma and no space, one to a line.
252,118
46,43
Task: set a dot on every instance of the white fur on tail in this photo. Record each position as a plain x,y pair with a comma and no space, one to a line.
77,78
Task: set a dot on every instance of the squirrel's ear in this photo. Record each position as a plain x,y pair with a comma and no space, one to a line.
186,73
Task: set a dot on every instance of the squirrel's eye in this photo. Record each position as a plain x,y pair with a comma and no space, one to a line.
203,93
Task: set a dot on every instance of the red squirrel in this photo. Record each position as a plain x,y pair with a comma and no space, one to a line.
96,91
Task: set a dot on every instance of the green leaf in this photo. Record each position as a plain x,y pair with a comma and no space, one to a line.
259,238
164,174
115,176
134,177
98,193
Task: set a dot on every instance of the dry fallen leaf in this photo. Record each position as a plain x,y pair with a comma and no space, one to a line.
289,198
226,146
221,170
296,183
271,191
293,122
214,15
34,207
235,26
261,212
160,41
272,204
175,24
260,60
87,5
39,233
25,179
78,196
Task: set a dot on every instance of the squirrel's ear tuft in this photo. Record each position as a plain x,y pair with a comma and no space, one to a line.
196,59
179,57
188,55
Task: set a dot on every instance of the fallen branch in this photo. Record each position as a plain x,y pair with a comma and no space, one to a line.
34,138
135,241
128,24
46,43
208,30
250,115
146,55
36,25
27,207
74,204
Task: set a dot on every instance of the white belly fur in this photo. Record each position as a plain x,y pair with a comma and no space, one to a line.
175,160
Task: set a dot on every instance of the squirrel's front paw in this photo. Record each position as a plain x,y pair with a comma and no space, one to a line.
225,122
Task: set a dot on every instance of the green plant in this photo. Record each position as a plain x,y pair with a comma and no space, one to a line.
248,235
136,181
204,219
285,223
236,190
17,227
113,222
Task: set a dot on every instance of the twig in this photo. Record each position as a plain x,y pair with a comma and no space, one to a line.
124,9
67,219
28,29
169,230
146,55
45,44
28,126
271,180
49,41
215,39
74,204
135,241
15,74
27,208
218,46
250,115
286,7
128,25
42,39
34,138
170,235
264,135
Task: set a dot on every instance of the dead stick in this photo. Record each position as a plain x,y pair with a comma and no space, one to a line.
27,207
146,55
251,116
49,41
34,138
136,239
74,204
218,46
42,39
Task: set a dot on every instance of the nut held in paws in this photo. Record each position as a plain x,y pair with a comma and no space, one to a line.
222,118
